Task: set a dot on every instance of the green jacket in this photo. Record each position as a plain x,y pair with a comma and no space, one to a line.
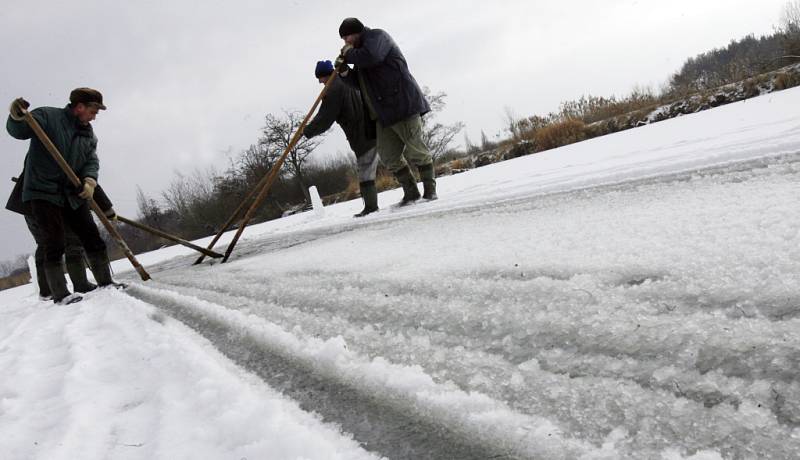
44,179
343,105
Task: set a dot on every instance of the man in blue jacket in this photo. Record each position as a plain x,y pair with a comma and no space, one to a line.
343,104
394,101
54,201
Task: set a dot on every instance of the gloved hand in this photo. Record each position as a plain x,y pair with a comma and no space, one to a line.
345,49
13,109
340,65
110,213
88,188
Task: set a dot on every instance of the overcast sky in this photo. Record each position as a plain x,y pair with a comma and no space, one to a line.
188,83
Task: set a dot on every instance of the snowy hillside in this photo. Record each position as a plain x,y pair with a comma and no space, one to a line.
632,296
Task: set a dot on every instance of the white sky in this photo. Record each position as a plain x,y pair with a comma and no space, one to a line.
188,83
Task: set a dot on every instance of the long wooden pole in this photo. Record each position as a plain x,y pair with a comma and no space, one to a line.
166,235
233,217
255,190
262,194
53,150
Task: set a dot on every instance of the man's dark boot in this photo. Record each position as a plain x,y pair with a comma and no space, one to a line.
369,193
77,273
41,281
428,182
409,183
101,269
58,284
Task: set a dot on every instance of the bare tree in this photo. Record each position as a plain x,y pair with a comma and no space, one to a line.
254,163
486,144
790,27
178,194
790,17
18,264
512,123
469,147
276,136
437,136
193,198
149,211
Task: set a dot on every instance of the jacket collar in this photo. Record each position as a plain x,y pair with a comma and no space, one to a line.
73,120
360,41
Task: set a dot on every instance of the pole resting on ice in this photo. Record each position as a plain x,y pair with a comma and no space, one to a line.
259,192
165,235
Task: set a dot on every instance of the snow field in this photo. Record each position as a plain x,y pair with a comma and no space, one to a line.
111,377
632,296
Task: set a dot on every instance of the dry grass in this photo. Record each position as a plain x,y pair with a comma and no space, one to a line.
559,133
352,190
786,80
15,280
750,88
462,163
385,182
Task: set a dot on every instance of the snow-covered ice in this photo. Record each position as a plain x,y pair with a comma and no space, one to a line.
111,377
632,296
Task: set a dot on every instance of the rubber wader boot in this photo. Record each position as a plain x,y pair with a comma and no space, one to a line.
58,284
369,193
41,281
98,262
428,182
409,183
77,273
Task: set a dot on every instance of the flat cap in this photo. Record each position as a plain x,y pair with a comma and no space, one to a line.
87,96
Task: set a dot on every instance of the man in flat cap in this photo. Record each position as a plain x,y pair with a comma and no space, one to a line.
54,202
393,99
343,104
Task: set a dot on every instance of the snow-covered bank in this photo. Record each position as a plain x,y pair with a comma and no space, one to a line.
765,126
633,296
111,377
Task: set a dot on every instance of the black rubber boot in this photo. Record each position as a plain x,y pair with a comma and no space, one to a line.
101,269
426,173
58,284
41,281
409,183
77,273
369,193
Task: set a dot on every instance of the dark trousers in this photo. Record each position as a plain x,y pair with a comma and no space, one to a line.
73,252
52,220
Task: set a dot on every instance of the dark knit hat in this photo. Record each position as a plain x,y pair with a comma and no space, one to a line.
323,69
350,26
87,96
